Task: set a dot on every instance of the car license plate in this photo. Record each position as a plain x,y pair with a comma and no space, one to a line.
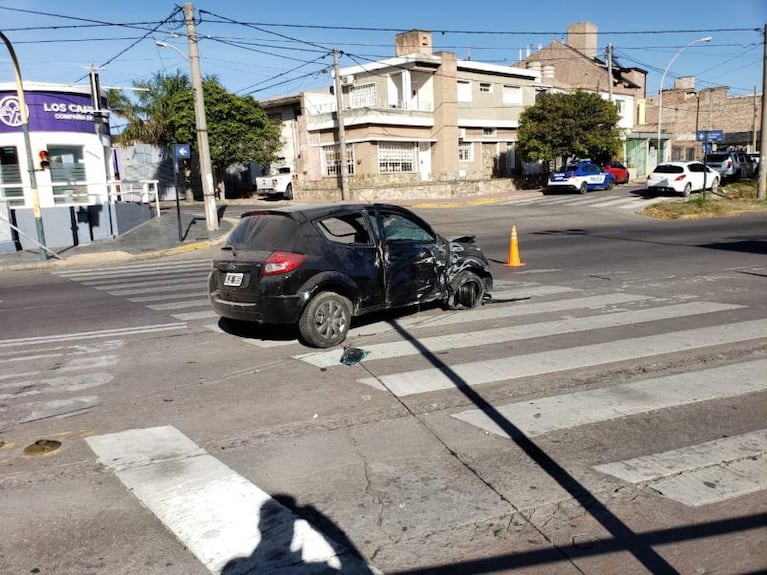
233,279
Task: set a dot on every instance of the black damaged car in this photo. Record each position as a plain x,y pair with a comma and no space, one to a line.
318,266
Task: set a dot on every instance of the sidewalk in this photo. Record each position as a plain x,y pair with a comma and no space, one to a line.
156,237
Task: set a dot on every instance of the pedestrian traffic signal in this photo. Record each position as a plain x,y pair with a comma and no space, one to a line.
45,161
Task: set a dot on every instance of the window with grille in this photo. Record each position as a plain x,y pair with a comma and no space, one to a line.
331,160
68,175
464,91
512,95
489,131
363,96
485,87
465,151
396,157
11,190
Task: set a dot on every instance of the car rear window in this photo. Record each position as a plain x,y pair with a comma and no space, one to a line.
668,169
716,157
265,232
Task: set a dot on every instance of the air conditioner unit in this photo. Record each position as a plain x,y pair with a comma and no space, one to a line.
461,133
347,80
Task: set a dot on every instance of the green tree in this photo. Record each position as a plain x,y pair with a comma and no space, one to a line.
239,131
580,124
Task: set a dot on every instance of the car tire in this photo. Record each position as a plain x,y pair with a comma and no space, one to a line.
288,195
583,188
687,190
714,185
467,290
610,184
325,320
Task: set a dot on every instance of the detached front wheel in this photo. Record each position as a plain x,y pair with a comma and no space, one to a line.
468,289
325,320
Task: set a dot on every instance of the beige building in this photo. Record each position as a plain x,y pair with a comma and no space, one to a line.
420,124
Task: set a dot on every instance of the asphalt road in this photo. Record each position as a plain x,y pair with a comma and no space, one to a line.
605,414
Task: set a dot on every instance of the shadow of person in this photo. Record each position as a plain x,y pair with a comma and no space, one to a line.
298,540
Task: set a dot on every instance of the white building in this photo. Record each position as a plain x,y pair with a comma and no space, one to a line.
74,187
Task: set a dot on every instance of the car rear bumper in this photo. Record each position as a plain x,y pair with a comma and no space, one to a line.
272,309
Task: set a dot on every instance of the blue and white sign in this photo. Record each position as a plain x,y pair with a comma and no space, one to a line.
183,151
709,135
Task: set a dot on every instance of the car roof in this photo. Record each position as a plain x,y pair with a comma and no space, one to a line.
305,212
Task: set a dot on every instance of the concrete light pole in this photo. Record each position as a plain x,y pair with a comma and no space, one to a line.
658,151
206,172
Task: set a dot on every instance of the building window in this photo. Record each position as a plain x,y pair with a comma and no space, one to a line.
464,91
68,175
363,96
331,160
11,190
465,151
397,157
489,131
485,87
512,95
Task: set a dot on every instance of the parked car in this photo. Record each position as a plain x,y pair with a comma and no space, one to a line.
726,163
683,178
279,182
581,177
318,266
618,171
754,158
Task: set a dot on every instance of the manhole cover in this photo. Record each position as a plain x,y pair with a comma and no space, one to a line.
42,446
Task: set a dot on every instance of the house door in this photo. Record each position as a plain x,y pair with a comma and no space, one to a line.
424,160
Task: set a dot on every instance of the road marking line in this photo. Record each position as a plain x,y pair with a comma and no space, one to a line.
509,368
565,411
189,280
701,474
193,315
520,332
91,334
214,511
165,297
180,304
87,273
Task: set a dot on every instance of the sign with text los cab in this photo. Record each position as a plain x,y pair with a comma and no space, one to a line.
47,112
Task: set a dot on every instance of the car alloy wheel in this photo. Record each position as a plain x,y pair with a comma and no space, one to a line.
584,188
687,190
325,320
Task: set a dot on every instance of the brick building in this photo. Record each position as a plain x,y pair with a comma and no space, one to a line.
687,110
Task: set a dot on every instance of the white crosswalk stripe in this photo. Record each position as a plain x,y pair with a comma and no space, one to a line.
174,287
588,200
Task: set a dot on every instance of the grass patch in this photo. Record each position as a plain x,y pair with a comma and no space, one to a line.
733,199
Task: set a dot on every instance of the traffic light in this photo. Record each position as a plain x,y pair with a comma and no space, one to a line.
45,161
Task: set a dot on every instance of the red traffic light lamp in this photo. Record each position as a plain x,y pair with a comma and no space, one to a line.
45,161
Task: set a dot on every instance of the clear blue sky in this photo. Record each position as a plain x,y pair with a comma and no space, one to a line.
266,50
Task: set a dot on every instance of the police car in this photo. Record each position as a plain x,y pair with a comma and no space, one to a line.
581,177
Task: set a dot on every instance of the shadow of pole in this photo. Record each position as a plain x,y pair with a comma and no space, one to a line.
622,535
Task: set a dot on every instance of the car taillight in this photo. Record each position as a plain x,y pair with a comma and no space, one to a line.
282,263
680,178
729,164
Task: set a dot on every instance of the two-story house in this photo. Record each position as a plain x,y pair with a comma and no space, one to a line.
420,124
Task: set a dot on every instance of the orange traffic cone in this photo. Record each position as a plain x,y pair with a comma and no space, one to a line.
513,260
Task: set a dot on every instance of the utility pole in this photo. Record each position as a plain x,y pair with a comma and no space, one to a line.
344,168
206,173
24,117
609,57
99,117
762,188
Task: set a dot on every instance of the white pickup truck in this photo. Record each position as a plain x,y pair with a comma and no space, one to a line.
279,182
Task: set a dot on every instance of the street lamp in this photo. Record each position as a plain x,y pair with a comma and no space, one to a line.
659,155
162,44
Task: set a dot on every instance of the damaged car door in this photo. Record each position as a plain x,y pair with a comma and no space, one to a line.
414,259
